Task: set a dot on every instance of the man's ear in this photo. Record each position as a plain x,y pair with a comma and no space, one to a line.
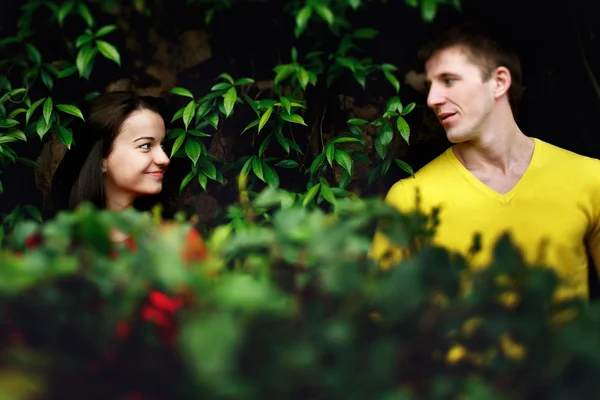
502,81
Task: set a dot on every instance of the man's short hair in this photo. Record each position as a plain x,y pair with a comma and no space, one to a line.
483,50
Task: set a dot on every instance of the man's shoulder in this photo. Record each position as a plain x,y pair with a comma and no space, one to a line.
563,158
430,177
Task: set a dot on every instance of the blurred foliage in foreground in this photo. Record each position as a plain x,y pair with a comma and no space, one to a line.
290,307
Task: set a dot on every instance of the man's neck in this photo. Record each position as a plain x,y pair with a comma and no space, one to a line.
500,147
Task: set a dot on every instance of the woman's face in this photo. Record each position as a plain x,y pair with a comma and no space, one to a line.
137,162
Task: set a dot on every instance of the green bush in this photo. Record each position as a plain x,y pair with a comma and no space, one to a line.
287,307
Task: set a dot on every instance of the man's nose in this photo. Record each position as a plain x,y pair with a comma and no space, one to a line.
435,97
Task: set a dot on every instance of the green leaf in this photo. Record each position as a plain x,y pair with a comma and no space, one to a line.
213,119
385,166
182,92
404,166
47,79
193,149
177,144
84,60
41,128
70,109
357,121
311,194
202,180
293,118
28,162
354,4
188,113
65,136
330,153
285,102
365,33
226,76
33,107
251,124
243,81
178,114
33,53
283,141
327,193
403,128
264,118
220,86
345,139
408,108
257,168
287,164
283,71
83,39
380,148
264,144
393,80
109,51
303,77
208,168
48,106
229,99
33,212
252,103
67,72
197,133
203,109
386,134
271,177
379,122
8,123
393,104
317,162
349,63
105,30
324,12
389,114
428,10
186,179
344,160
17,134
7,139
85,13
301,20
388,67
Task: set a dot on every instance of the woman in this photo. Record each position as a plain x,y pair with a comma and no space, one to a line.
117,161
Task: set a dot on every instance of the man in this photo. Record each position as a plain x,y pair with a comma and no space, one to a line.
495,179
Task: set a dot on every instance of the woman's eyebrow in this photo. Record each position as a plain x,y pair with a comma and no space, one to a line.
144,138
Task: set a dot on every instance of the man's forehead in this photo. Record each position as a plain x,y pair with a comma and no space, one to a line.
447,61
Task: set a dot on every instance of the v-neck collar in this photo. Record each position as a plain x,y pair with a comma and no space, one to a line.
508,196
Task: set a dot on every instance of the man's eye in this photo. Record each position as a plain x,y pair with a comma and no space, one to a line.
449,81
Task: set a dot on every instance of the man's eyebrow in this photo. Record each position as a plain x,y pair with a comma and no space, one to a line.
144,138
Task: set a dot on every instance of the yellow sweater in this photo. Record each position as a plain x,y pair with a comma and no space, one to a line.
552,213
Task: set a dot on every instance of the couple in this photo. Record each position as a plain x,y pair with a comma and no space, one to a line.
494,179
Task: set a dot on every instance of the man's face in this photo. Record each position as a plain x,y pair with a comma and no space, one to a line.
458,95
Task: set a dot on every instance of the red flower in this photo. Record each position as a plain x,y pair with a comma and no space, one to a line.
165,303
34,240
123,329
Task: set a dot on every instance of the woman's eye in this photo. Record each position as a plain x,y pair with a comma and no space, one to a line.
145,146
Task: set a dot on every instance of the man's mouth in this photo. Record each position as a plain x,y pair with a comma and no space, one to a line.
445,116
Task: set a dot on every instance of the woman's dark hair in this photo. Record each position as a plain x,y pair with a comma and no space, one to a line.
79,177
